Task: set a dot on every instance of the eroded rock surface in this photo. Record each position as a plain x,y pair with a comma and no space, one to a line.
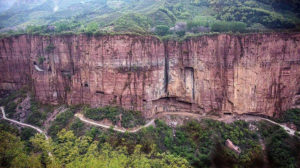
258,73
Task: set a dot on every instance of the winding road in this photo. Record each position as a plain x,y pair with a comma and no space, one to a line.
23,124
151,122
256,118
123,130
26,125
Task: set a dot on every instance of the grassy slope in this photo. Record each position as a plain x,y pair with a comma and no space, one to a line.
106,13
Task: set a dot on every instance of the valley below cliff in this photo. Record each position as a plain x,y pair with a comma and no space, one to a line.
207,75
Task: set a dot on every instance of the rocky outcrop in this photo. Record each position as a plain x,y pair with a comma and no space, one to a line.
233,147
257,73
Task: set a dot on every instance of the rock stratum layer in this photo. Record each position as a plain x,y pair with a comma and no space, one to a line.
257,73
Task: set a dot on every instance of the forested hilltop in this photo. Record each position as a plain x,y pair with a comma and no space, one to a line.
157,17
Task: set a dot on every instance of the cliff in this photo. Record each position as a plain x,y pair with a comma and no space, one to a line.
257,73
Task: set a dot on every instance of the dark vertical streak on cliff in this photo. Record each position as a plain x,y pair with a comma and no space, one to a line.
3,43
278,97
70,54
30,65
241,46
166,67
193,89
27,61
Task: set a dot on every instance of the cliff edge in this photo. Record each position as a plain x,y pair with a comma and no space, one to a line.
221,74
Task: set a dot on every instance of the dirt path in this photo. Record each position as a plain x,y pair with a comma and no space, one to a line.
257,118
245,118
52,117
115,128
23,124
151,122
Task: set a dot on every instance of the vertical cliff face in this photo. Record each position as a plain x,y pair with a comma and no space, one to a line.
210,74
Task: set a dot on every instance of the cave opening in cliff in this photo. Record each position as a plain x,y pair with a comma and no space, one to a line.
86,85
99,92
298,93
227,113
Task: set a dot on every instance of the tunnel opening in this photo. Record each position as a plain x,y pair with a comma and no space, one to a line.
99,92
298,93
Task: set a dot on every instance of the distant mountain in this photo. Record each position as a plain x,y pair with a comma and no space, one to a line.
146,15
6,4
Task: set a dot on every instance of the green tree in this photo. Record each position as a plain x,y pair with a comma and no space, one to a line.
91,28
12,153
162,30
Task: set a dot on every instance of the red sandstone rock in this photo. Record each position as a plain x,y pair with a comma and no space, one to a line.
258,73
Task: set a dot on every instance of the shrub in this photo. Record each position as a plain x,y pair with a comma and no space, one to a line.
41,59
161,30
222,26
198,22
132,22
60,122
33,29
281,148
180,33
77,126
291,115
50,48
91,28
10,109
9,101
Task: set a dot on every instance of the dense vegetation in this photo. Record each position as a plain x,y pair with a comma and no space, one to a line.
282,150
11,100
71,151
163,18
196,144
128,118
291,116
61,122
39,113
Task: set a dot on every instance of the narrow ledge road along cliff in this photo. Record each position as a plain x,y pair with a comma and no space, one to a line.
216,74
151,122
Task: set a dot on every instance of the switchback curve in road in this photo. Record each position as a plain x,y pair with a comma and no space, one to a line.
23,124
26,125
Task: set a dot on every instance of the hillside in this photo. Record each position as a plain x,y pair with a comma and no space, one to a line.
161,17
149,83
